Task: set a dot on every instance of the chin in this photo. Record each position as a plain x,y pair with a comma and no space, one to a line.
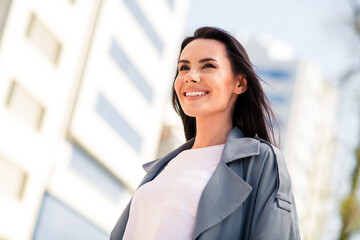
190,114
193,113
196,111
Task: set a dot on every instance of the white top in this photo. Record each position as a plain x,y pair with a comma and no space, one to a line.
165,208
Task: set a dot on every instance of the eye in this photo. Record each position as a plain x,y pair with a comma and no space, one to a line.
208,65
183,67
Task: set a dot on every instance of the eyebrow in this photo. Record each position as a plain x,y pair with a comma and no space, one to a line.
200,61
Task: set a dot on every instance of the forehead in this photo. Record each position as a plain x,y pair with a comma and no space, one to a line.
204,48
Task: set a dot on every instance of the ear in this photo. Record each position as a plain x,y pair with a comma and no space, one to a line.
241,84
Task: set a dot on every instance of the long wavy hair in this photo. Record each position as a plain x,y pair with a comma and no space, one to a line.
252,113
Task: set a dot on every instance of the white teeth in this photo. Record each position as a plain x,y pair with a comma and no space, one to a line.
194,93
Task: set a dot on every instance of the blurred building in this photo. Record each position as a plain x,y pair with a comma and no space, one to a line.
83,86
305,108
310,148
274,62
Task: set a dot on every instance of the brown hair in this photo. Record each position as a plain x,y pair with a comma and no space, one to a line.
252,112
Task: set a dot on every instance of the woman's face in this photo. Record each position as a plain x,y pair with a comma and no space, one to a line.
205,84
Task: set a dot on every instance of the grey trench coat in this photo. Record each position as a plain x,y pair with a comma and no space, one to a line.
249,195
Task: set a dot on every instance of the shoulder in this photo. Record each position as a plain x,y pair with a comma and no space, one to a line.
267,150
272,156
276,217
266,161
274,170
262,168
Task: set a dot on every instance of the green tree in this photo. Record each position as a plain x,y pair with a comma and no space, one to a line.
350,207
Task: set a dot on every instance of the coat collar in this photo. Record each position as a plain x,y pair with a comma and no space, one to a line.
236,146
234,190
224,193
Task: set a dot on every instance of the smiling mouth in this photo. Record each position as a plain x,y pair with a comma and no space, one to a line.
195,93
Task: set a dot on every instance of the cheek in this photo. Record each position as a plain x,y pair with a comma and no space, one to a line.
177,86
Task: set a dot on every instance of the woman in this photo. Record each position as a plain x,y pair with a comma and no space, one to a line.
227,181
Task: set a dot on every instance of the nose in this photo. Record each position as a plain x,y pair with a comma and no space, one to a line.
192,77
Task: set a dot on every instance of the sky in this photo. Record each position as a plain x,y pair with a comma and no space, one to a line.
317,30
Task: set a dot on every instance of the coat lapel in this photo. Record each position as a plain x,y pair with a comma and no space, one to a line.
152,170
226,191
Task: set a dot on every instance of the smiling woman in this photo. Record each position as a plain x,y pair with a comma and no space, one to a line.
205,68
227,181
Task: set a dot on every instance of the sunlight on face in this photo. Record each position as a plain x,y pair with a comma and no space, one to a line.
205,84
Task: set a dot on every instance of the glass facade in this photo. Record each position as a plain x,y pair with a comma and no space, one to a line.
118,123
276,99
130,70
277,74
145,24
57,221
96,174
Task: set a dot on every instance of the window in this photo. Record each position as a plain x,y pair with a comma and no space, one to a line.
145,24
25,106
57,221
276,98
88,167
12,179
118,123
278,74
130,70
43,39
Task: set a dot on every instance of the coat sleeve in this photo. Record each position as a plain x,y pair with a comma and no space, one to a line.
275,215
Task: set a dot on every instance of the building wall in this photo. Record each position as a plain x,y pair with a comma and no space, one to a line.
310,147
82,90
278,75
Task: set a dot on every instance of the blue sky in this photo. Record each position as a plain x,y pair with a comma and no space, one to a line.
317,30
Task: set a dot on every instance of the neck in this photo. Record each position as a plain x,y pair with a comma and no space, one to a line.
210,132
